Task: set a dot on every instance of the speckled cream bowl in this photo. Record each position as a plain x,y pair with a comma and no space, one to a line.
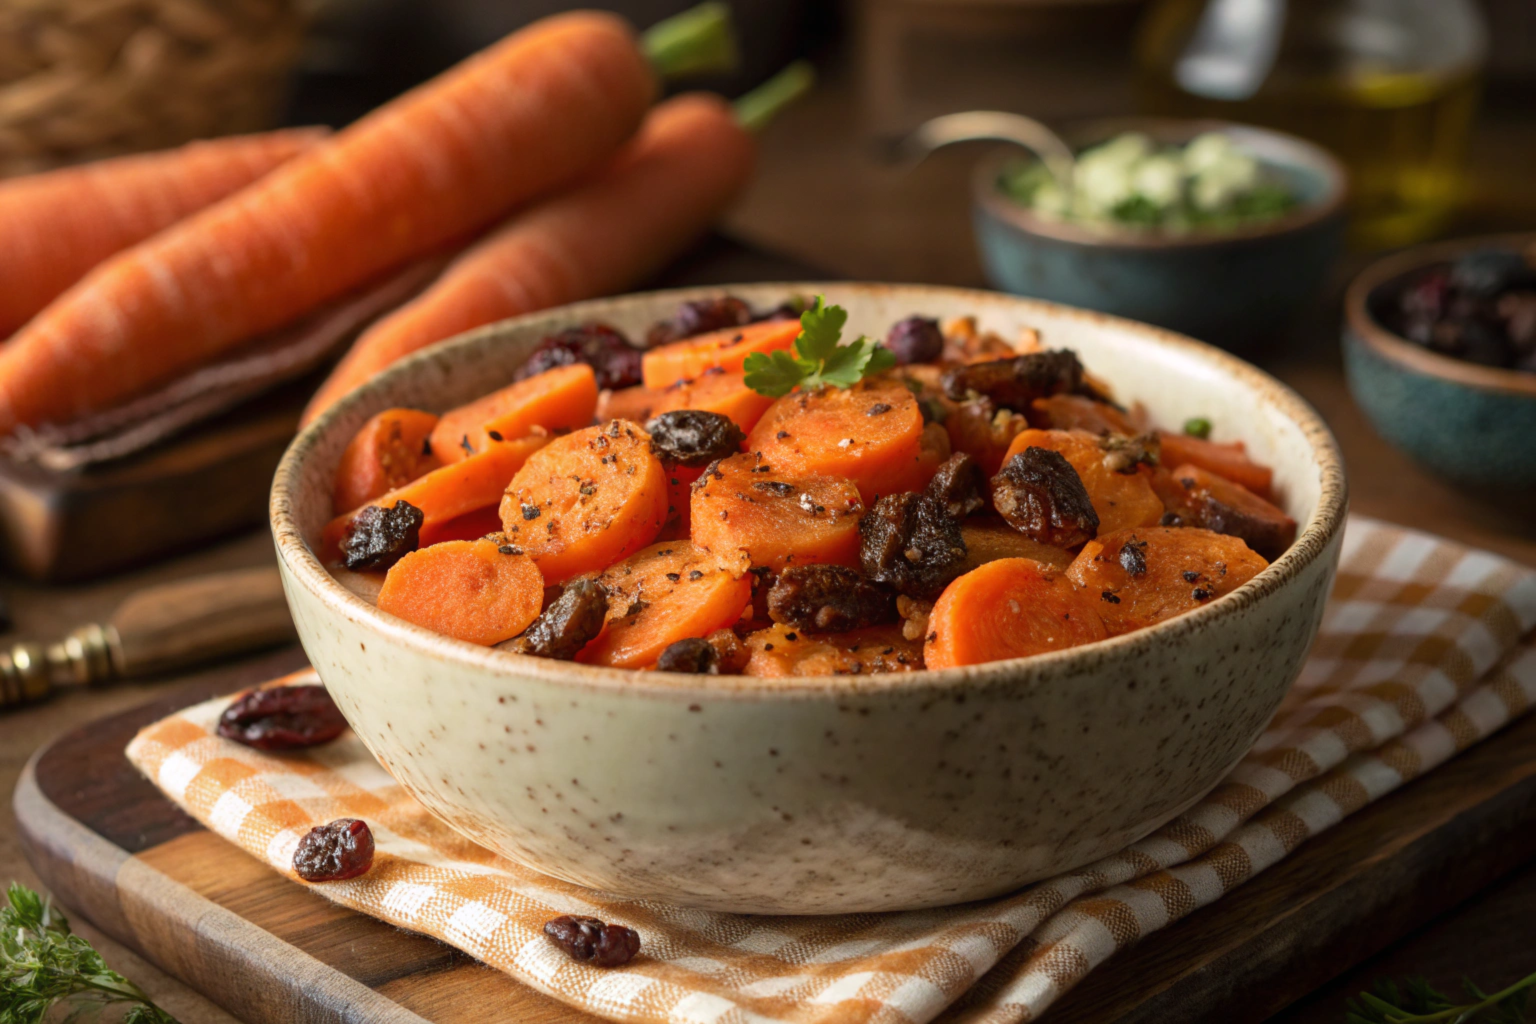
826,795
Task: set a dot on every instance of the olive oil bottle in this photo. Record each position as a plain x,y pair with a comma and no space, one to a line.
1390,86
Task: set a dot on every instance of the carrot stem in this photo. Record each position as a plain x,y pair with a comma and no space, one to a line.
760,106
699,41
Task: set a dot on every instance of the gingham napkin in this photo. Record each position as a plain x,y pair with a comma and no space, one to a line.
1420,655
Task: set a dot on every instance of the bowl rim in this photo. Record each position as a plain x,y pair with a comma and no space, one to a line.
1396,349
305,569
989,197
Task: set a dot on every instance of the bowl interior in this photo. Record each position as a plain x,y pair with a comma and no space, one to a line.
1174,377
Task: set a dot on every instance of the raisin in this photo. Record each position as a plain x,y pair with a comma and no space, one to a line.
960,486
829,599
693,655
612,358
283,718
1133,557
916,339
1042,496
910,542
700,316
693,437
569,623
379,537
732,653
1015,383
588,940
330,853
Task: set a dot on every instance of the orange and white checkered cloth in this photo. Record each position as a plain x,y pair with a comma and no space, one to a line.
1423,652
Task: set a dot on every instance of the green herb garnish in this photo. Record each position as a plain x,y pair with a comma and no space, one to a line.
817,358
1198,426
43,965
1418,1002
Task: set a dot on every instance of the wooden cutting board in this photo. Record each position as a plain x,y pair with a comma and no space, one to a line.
267,949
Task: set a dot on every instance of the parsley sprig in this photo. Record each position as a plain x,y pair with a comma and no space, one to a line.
1418,1002
43,964
817,358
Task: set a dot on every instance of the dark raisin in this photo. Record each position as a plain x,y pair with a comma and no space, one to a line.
588,940
615,362
694,655
960,486
330,853
283,718
379,537
693,437
1133,557
916,339
567,625
912,543
1042,496
829,599
700,316
1015,383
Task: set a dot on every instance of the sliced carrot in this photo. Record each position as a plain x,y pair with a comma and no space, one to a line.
1169,572
1204,499
781,651
451,491
983,431
391,450
1011,608
1079,412
1121,499
587,500
1229,460
870,433
690,358
933,448
723,393
746,503
560,399
662,594
469,526
468,589
633,403
988,539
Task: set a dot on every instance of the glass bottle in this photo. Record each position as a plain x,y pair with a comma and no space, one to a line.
1390,86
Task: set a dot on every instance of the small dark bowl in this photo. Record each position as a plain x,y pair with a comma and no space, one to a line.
1474,425
1232,288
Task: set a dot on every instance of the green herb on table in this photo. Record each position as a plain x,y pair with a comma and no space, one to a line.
818,358
44,965
1418,1002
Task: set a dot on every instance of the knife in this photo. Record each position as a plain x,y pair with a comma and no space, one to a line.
157,630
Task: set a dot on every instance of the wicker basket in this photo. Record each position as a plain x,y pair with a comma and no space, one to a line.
81,79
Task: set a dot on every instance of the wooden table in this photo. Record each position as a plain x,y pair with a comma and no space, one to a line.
826,199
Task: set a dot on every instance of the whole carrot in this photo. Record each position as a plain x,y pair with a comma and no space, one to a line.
526,115
60,224
661,192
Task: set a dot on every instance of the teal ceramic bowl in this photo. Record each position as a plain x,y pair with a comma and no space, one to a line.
1235,289
1473,425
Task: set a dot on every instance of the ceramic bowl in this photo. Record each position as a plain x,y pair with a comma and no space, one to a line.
1474,425
1232,288
839,794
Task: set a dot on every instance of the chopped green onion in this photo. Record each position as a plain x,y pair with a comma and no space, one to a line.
1199,427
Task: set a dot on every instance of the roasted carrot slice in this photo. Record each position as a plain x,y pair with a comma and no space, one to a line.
1146,575
1121,499
870,433
391,450
1229,460
1011,608
781,651
662,594
1078,412
746,503
468,589
469,526
690,358
451,491
633,404
983,431
563,398
587,500
1204,499
723,393
988,539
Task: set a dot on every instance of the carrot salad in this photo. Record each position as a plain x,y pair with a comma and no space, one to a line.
749,492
